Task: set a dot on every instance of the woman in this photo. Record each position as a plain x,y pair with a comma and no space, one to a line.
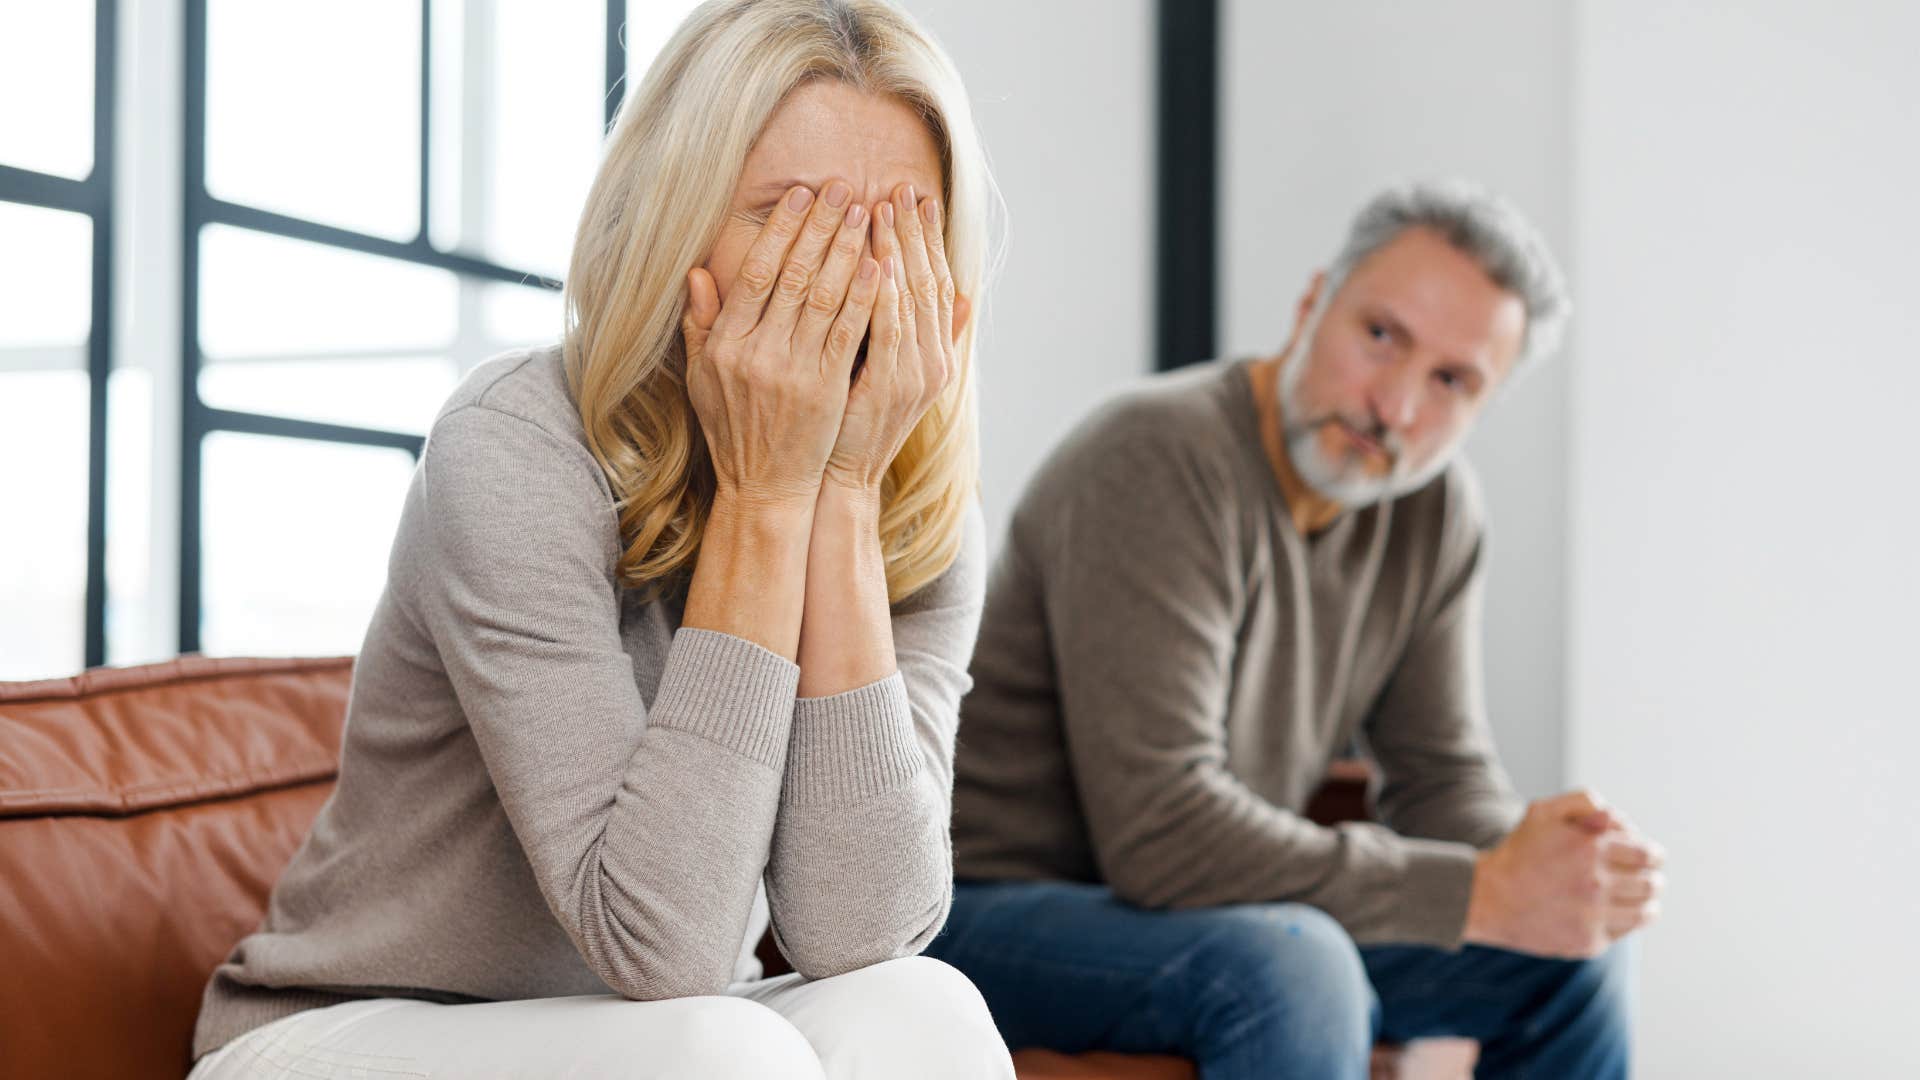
681,603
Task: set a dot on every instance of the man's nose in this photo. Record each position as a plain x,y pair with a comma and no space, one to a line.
1396,395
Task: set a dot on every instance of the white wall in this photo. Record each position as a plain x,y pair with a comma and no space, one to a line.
1063,94
1745,513
1323,105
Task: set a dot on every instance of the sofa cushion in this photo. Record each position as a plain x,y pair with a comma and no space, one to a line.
144,816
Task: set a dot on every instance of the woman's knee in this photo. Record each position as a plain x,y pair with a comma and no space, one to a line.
725,1038
914,1016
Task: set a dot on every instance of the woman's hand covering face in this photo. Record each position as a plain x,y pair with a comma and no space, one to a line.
771,372
911,356
768,371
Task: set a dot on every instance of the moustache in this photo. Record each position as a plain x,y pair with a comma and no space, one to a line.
1373,429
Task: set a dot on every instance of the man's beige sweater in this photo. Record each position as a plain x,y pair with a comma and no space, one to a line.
1166,667
548,787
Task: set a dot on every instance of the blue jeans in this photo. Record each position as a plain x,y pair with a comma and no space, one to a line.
1263,990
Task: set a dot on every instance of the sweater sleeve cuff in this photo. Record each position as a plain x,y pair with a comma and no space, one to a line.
1435,888
730,691
852,746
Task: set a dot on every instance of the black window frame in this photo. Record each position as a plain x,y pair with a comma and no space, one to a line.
1186,182
1187,52
92,197
201,208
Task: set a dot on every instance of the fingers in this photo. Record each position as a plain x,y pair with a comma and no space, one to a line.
843,342
883,348
829,289
703,307
794,284
1629,852
1636,888
921,283
933,223
1577,806
761,268
892,320
1625,919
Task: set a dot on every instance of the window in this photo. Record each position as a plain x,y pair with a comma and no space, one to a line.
56,228
355,247
378,196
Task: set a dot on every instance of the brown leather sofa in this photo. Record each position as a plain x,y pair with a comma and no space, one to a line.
144,815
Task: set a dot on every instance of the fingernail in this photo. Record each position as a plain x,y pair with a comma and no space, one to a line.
931,211
837,193
800,199
886,214
857,216
868,268
888,266
912,197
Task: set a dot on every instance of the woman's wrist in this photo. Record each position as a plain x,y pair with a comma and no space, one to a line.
858,500
846,640
750,577
762,507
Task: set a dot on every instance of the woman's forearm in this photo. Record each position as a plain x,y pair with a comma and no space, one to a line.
846,633
750,579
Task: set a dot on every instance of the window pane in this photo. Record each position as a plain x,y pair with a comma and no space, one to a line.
265,295
517,124
313,110
294,541
388,393
141,478
43,546
517,315
46,284
45,295
46,58
649,25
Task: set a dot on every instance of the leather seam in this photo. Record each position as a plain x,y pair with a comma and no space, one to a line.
75,692
159,794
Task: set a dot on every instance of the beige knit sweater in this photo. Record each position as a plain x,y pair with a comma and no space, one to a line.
549,788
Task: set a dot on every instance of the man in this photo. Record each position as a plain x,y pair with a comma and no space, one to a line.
1218,584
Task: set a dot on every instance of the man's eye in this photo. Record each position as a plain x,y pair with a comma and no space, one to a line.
1376,331
1451,381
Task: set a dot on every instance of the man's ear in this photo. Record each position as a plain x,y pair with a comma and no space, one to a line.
1311,297
962,311
1304,311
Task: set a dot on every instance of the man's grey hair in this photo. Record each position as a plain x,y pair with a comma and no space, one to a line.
1487,229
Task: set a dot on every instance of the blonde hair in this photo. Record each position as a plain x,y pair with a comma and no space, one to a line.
664,187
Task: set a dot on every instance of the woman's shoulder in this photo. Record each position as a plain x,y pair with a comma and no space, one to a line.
518,400
529,383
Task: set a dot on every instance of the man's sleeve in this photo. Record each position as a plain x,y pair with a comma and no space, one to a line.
1429,732
1144,591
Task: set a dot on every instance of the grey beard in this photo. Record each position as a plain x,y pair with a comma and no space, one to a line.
1314,470
1360,491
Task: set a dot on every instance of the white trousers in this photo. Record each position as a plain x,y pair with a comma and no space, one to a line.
905,1019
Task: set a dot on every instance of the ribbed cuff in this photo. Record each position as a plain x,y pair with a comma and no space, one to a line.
730,691
1435,889
852,746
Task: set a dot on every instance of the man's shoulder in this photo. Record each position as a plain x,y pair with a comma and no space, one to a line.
1179,407
1158,428
1161,464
